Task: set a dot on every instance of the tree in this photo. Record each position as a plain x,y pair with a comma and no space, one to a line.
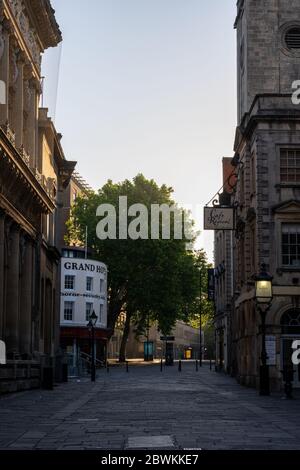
150,279
207,307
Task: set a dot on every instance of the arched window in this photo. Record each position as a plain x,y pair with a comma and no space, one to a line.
290,322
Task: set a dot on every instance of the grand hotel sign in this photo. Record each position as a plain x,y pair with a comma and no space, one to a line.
219,218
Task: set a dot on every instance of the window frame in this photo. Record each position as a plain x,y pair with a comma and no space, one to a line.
87,318
292,171
289,245
101,313
71,303
65,281
86,283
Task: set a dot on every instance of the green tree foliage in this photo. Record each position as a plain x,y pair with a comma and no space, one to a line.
152,280
207,307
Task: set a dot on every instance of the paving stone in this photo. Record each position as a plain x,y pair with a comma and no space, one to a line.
195,409
150,442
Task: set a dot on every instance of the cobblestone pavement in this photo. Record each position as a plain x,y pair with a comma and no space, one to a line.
196,409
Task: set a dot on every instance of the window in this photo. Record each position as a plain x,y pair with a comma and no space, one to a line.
292,38
291,245
89,284
101,313
68,311
69,282
88,310
290,322
101,286
290,166
68,254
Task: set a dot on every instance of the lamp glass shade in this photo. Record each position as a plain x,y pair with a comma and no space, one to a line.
263,291
93,318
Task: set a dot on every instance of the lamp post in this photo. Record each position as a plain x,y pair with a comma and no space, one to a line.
200,316
91,324
263,297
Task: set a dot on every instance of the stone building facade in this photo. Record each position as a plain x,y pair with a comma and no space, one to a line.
76,187
224,276
267,195
186,338
33,175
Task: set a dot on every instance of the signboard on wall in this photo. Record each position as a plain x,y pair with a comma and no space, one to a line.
211,285
218,218
271,350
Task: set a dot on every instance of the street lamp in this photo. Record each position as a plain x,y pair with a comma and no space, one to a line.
91,324
263,297
200,317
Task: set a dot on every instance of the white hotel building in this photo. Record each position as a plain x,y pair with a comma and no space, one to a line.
83,290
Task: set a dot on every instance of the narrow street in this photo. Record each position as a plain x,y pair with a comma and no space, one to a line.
168,409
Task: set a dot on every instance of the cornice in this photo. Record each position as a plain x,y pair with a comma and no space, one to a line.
8,150
265,109
43,17
15,215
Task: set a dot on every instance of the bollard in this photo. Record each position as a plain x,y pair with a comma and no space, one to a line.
210,364
107,367
179,366
127,368
65,372
288,378
48,378
161,365
197,368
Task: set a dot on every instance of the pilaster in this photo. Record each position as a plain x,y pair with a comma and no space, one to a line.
2,221
5,31
12,291
26,296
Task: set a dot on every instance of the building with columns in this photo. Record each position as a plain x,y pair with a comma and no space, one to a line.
267,191
33,176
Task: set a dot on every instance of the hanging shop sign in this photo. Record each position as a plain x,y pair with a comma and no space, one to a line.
218,218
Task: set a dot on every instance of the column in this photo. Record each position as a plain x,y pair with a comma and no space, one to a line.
12,291
26,297
18,111
4,67
2,220
31,109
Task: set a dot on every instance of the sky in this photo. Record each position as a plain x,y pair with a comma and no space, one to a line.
146,86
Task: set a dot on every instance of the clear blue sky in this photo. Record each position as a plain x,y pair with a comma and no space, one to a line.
147,86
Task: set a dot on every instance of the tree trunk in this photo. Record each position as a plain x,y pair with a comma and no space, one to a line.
122,355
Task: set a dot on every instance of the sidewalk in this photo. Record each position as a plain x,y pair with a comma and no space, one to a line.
190,409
